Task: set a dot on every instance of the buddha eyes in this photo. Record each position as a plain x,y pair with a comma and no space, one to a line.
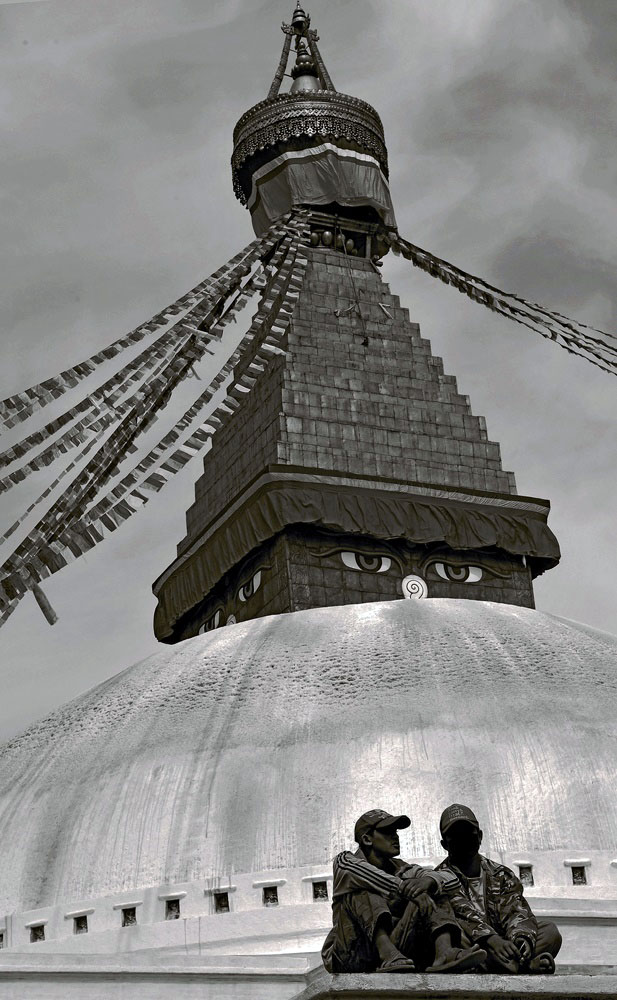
213,622
244,594
458,574
453,573
366,563
250,587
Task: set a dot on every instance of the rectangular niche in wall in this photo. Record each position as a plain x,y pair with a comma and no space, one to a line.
221,902
579,875
317,884
129,916
1,939
525,873
270,895
37,932
80,924
172,909
320,891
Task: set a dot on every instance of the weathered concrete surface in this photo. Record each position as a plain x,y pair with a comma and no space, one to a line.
149,976
150,778
145,977
323,986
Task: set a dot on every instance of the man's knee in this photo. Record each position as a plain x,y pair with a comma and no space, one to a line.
369,910
556,939
549,938
349,946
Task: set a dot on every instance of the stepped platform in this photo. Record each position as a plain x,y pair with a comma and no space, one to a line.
577,983
152,976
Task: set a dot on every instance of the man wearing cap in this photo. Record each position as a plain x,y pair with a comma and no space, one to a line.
500,918
383,917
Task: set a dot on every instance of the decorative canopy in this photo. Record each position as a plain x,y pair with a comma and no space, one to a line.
312,145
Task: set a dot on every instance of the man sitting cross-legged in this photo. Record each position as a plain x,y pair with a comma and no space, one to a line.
499,916
384,919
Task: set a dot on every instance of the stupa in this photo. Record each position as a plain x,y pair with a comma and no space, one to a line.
355,471
354,527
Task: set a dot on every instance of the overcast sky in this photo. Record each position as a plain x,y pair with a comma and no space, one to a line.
116,197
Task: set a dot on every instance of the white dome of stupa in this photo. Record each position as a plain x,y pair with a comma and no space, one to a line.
255,747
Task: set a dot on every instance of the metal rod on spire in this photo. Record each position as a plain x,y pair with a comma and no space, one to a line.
324,76
275,86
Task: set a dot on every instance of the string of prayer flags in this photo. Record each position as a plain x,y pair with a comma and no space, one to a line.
22,405
121,381
262,322
56,482
108,517
69,528
595,346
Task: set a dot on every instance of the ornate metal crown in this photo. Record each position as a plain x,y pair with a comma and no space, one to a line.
324,114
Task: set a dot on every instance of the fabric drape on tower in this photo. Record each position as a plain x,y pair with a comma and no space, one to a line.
273,505
318,175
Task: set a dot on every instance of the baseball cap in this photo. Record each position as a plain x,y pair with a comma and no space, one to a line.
454,814
375,818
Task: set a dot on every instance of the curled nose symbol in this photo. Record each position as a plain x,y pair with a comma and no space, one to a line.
414,587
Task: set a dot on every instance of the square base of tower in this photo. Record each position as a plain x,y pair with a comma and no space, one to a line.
305,567
355,428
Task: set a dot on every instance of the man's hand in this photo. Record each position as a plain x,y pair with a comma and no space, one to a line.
524,948
411,888
425,904
422,900
504,951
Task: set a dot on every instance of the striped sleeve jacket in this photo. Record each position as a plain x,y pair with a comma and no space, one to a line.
353,873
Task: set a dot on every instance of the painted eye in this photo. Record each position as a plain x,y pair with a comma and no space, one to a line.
213,622
366,563
459,574
250,587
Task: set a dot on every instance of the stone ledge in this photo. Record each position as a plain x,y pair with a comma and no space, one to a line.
576,986
152,976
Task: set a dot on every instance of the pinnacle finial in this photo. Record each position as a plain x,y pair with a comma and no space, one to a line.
300,20
309,66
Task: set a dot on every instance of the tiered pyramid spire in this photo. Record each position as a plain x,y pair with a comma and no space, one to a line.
369,443
356,470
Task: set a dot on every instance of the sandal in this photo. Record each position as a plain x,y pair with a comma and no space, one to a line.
466,958
397,965
546,958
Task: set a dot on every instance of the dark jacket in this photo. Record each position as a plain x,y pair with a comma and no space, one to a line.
507,911
353,873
